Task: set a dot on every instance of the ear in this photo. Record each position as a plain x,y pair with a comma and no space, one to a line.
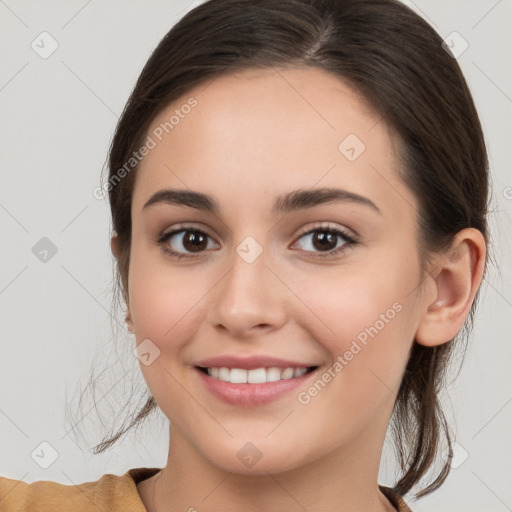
129,321
453,282
114,246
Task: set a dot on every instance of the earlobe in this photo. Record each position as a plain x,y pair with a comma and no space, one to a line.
129,322
456,277
114,246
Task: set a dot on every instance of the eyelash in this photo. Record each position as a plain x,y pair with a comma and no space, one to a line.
349,240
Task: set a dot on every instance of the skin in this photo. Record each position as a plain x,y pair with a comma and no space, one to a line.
253,136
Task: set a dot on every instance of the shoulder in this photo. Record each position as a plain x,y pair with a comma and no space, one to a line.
110,492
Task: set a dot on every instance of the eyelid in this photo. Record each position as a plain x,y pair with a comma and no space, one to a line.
327,226
184,226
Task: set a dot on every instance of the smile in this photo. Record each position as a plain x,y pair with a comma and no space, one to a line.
253,387
256,375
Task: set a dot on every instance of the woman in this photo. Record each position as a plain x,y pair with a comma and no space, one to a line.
299,195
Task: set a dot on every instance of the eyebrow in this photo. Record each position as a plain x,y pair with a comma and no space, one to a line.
296,200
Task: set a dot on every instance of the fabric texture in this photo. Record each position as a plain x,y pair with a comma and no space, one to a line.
110,493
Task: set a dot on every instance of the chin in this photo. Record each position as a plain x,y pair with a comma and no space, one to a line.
257,459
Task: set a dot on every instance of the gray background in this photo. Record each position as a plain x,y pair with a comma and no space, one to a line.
57,119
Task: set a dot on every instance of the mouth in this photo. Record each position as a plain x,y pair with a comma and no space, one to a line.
255,376
253,387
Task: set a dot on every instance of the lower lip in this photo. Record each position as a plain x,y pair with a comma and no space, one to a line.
248,395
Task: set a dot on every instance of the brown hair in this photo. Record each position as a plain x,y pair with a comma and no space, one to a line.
398,63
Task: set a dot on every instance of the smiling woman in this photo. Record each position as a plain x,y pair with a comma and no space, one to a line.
314,227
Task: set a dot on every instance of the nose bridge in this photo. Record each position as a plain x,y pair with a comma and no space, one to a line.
249,294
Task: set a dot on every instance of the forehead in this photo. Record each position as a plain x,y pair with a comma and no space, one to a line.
266,132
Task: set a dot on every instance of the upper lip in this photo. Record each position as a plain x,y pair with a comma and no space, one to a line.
250,363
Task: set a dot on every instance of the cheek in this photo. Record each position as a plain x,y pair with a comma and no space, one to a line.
359,304
167,308
162,299
365,319
164,305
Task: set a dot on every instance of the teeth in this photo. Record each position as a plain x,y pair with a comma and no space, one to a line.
238,376
273,374
287,373
299,371
256,376
224,374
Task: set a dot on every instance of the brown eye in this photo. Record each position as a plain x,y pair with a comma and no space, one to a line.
326,242
194,241
185,242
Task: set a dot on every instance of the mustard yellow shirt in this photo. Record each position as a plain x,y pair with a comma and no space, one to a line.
111,493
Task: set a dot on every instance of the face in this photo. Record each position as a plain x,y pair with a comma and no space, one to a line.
327,282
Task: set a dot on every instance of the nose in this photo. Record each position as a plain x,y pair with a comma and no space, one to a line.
249,299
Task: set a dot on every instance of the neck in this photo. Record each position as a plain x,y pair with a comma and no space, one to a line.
343,480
